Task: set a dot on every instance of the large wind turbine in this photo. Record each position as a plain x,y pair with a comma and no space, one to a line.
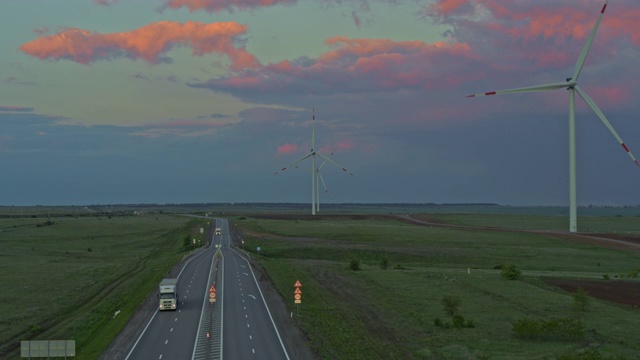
571,84
315,172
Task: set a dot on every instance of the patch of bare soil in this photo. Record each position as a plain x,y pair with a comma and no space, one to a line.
619,292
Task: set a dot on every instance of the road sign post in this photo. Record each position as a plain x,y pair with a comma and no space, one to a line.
297,295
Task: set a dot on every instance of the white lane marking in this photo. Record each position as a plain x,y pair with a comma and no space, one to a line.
176,319
171,330
160,356
250,337
166,341
248,325
252,296
275,328
254,350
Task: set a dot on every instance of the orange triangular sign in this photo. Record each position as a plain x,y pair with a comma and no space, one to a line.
298,291
298,284
212,289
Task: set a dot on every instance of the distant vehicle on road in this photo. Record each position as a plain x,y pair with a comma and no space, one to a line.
168,294
218,231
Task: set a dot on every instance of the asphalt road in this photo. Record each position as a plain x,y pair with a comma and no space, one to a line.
171,334
238,326
249,331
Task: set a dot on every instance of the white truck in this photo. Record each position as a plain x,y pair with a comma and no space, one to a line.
168,294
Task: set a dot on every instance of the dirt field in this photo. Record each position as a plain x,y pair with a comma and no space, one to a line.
620,292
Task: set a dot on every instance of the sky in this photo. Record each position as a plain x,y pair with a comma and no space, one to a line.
198,101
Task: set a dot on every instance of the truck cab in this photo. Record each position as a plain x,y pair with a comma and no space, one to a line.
168,295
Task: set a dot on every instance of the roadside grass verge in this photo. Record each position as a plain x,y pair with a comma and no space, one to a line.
390,312
70,275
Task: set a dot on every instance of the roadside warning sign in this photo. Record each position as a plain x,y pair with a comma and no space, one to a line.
297,294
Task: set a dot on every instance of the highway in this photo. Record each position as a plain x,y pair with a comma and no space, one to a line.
248,328
237,326
171,334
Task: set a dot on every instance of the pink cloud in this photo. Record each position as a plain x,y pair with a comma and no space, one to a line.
16,108
545,33
287,149
148,43
355,65
220,5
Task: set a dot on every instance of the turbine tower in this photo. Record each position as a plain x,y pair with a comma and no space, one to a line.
571,84
315,172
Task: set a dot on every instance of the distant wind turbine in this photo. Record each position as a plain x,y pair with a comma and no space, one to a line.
319,180
315,172
571,84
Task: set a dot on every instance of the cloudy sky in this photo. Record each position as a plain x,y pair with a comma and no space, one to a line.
179,101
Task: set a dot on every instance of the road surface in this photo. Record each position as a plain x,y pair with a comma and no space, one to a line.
238,325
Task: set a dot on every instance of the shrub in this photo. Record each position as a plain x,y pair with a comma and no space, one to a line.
581,300
438,323
354,265
510,272
458,321
451,304
35,329
384,264
186,241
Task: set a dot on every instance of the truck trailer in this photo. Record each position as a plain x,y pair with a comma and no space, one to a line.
168,294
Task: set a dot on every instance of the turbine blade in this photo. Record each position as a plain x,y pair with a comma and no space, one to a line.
335,164
323,183
587,45
606,122
544,87
322,165
293,163
313,130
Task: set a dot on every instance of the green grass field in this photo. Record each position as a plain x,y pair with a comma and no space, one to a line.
377,313
64,278
68,275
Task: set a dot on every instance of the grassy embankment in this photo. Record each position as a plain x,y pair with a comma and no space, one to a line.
65,278
390,313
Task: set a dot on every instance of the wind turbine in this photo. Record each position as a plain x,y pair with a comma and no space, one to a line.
571,84
321,180
315,172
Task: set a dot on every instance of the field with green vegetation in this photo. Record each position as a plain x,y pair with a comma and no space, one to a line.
380,288
64,277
